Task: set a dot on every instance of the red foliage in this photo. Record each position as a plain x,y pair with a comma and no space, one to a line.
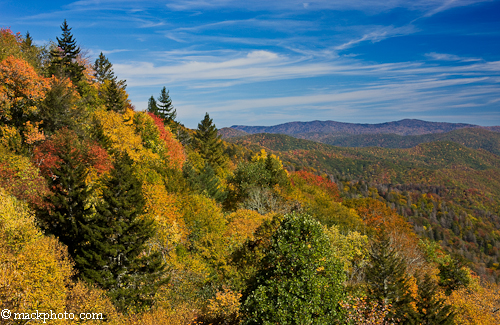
320,182
47,155
176,151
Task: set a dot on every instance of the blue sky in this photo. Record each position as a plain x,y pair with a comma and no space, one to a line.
269,62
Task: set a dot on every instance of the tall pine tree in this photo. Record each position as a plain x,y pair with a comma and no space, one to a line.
165,108
388,281
114,255
208,143
63,58
114,96
103,69
152,106
67,204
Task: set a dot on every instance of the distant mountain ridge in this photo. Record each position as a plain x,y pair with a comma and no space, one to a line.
402,127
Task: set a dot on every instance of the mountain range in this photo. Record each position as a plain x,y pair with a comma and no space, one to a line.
402,127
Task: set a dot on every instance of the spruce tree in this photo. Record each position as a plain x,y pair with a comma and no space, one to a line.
430,308
208,143
152,106
165,108
28,41
114,252
63,58
388,281
67,204
114,96
103,69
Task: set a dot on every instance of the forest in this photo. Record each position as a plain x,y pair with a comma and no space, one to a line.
128,213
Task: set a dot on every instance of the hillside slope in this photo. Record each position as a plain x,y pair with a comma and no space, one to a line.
449,192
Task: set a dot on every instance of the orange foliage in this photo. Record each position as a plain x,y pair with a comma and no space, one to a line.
379,217
175,150
20,88
362,311
320,182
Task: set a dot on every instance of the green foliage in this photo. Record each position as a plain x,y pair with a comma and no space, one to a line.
59,109
67,204
207,142
103,69
388,281
165,108
453,275
63,58
205,182
114,96
257,178
299,282
112,253
152,106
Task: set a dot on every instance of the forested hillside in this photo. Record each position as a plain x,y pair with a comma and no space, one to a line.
448,192
132,216
475,138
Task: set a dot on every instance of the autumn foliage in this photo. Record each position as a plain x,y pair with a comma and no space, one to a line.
20,90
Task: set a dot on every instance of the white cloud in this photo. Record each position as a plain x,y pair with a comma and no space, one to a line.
449,57
378,35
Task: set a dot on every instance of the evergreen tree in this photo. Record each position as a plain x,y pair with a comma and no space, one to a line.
299,282
58,108
114,252
207,142
387,280
206,182
114,96
103,69
152,106
431,309
63,58
165,108
28,41
67,204
452,274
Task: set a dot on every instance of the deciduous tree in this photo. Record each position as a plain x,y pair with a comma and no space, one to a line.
299,282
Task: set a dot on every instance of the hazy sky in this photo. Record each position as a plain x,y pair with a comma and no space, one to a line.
269,62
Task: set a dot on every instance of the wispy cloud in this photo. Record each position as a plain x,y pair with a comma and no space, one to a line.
449,57
378,35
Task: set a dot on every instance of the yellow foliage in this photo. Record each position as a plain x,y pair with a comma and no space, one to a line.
242,225
35,278
182,315
170,227
351,249
83,298
476,304
123,137
225,306
34,270
262,156
17,223
10,137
